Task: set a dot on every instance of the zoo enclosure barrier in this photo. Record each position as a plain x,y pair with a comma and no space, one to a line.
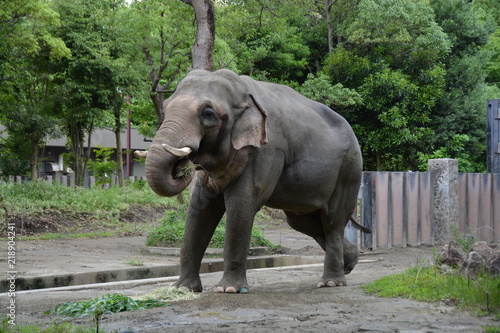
69,179
414,208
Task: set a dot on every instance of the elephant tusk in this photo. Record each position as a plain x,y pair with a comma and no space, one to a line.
179,152
141,153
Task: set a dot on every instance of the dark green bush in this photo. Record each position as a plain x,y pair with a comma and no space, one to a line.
171,231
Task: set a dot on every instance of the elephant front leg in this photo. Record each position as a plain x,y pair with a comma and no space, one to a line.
203,216
237,243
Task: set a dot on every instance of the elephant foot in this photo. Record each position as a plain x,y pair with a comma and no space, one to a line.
232,286
327,282
192,284
230,290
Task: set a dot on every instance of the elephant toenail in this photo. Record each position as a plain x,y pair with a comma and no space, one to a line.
231,290
243,290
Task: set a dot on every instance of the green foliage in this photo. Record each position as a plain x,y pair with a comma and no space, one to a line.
395,71
263,39
409,75
465,241
135,262
431,285
461,109
171,232
320,89
32,197
56,327
163,33
408,36
27,91
455,149
94,82
102,167
107,304
14,156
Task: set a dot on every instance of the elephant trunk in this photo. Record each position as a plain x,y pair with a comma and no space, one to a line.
168,174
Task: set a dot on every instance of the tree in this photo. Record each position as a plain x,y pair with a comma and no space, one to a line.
163,35
461,109
489,10
96,78
328,17
391,58
27,82
266,38
26,113
203,48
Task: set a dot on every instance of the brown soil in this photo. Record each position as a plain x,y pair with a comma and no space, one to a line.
280,299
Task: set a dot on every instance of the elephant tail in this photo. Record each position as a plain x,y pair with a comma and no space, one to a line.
359,226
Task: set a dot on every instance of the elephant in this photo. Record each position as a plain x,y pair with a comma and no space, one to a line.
249,144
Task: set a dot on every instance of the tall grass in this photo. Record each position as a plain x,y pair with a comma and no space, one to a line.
430,284
37,196
170,232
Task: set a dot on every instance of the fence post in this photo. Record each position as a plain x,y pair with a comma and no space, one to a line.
493,136
445,187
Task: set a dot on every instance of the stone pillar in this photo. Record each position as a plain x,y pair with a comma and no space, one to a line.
445,183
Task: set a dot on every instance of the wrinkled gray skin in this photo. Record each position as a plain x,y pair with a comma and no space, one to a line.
253,144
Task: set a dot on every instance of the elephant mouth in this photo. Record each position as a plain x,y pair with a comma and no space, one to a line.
183,168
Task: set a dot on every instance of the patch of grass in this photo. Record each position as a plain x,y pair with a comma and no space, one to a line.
58,327
43,210
491,329
464,241
37,196
56,235
135,262
170,232
430,284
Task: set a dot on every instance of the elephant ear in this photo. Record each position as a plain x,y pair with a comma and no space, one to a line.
250,128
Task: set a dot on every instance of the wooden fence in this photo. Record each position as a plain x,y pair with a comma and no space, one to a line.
398,207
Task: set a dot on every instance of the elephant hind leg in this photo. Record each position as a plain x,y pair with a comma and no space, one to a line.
309,224
341,256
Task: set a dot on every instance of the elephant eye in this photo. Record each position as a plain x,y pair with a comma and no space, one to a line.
208,117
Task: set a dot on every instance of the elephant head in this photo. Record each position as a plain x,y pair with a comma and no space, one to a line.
208,119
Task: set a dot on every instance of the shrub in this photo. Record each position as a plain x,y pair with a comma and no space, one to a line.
170,232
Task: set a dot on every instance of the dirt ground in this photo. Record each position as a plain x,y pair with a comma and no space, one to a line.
280,300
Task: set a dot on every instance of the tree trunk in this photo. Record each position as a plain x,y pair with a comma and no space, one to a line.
203,48
76,138
119,150
80,156
158,99
34,160
328,13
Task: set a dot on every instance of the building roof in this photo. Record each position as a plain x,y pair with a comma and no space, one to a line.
101,138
